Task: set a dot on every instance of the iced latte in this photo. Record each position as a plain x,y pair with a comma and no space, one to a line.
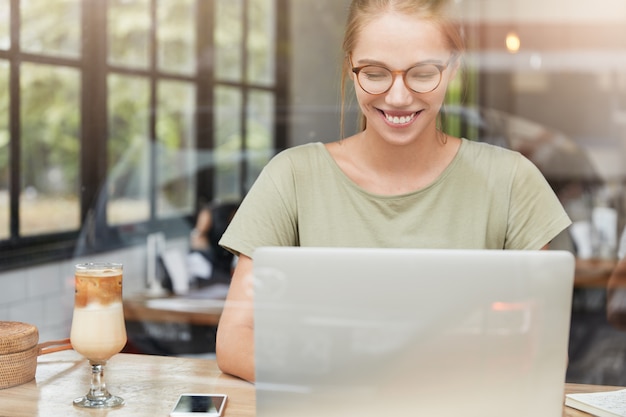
98,330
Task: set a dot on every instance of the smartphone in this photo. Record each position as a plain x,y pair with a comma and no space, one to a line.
205,405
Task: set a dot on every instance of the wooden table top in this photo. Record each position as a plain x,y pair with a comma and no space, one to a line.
202,312
149,384
593,272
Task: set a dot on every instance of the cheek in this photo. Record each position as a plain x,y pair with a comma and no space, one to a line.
440,96
437,97
361,96
445,83
368,106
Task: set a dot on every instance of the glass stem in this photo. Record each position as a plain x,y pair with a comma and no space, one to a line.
98,390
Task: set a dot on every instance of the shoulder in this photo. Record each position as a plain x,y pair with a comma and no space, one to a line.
497,165
300,152
298,159
487,150
487,156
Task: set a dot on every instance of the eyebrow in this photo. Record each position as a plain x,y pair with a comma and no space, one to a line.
382,64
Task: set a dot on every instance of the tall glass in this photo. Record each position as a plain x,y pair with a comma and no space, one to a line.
98,329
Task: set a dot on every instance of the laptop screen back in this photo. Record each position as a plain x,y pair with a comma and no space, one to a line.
368,332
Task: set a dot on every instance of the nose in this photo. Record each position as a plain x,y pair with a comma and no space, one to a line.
398,94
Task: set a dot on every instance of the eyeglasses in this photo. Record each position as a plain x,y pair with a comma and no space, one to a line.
422,78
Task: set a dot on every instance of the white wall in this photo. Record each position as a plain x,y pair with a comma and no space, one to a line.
44,295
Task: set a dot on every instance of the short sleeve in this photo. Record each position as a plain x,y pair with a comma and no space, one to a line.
267,215
536,215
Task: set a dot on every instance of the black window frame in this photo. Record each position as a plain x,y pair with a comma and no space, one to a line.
95,235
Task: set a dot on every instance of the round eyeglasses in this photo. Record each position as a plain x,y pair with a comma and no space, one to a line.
422,78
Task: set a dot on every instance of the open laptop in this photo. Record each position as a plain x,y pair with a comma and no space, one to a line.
411,332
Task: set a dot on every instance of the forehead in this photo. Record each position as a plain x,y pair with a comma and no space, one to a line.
398,38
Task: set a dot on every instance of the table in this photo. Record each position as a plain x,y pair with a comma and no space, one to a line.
592,273
149,384
201,312
171,325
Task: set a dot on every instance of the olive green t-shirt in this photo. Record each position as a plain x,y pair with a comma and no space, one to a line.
487,198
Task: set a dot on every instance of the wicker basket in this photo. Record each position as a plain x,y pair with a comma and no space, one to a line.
18,345
19,350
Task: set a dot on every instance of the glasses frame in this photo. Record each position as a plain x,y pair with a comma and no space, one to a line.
395,73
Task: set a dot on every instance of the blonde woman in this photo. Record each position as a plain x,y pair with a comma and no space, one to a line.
400,182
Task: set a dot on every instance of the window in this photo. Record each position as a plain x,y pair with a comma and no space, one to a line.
122,117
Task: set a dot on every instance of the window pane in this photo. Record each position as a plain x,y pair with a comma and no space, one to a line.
42,31
261,41
50,122
5,31
177,36
5,164
176,141
260,132
228,40
129,33
128,150
228,102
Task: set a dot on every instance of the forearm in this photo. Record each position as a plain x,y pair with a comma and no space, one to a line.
234,346
235,350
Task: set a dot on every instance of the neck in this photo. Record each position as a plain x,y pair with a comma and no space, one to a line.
415,158
381,167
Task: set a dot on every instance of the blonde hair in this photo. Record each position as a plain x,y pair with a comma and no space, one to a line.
362,12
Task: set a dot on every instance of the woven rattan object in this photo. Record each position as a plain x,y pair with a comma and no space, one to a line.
18,353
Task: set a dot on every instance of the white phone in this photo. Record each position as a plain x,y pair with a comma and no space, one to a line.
197,405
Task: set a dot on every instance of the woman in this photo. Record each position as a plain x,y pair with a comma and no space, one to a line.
208,262
398,183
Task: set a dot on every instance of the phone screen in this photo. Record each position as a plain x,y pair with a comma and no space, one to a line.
199,405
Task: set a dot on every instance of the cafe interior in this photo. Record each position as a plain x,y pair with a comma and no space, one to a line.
125,122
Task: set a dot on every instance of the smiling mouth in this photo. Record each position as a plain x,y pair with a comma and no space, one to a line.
400,120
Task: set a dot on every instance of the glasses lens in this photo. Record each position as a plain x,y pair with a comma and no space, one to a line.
375,80
423,78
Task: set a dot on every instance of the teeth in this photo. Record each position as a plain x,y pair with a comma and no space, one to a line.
399,120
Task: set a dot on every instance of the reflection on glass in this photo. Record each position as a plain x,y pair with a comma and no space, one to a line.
51,27
175,160
458,91
228,141
129,33
50,148
5,163
5,27
128,150
176,36
228,39
260,42
259,132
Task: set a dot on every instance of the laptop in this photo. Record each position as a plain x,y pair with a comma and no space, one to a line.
411,332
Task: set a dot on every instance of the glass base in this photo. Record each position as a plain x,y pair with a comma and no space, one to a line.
99,402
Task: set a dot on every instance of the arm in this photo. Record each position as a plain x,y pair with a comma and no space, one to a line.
234,345
536,216
200,231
